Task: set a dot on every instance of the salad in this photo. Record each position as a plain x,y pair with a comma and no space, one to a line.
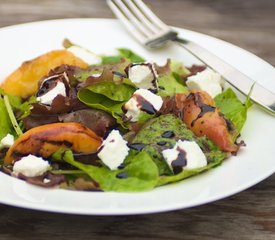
75,120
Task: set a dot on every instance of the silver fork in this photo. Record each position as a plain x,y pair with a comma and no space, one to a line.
151,32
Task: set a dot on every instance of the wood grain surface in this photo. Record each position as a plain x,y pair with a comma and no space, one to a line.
249,24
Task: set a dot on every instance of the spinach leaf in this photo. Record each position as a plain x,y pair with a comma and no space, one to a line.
99,101
169,85
127,53
115,92
142,173
123,53
110,59
188,173
232,108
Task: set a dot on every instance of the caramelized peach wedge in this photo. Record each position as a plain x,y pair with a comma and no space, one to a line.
47,139
23,82
202,116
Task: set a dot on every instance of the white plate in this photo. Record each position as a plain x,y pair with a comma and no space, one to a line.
253,163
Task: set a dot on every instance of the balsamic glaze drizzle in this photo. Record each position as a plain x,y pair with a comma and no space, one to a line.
168,134
179,162
161,143
204,109
145,105
137,146
122,175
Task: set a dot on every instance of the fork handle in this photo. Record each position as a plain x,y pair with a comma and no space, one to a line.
260,95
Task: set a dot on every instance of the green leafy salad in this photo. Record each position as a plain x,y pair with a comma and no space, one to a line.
76,120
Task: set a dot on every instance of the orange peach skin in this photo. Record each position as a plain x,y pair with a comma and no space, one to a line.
23,82
47,139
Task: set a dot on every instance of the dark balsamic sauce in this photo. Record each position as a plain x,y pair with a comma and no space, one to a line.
137,146
47,86
145,105
121,166
229,125
204,109
162,143
179,162
50,82
168,134
155,91
122,175
91,159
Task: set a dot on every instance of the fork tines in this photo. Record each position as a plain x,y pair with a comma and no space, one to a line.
139,19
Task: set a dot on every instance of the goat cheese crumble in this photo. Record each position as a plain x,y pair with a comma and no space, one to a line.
31,166
142,100
113,150
143,75
7,141
48,97
207,80
185,155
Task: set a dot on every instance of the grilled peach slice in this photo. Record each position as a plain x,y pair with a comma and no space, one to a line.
47,139
200,114
23,82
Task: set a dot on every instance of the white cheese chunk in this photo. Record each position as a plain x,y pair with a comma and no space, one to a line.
207,80
7,141
134,105
132,109
193,155
46,180
143,76
85,55
48,97
113,150
31,166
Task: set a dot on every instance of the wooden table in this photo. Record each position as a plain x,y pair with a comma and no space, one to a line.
248,215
